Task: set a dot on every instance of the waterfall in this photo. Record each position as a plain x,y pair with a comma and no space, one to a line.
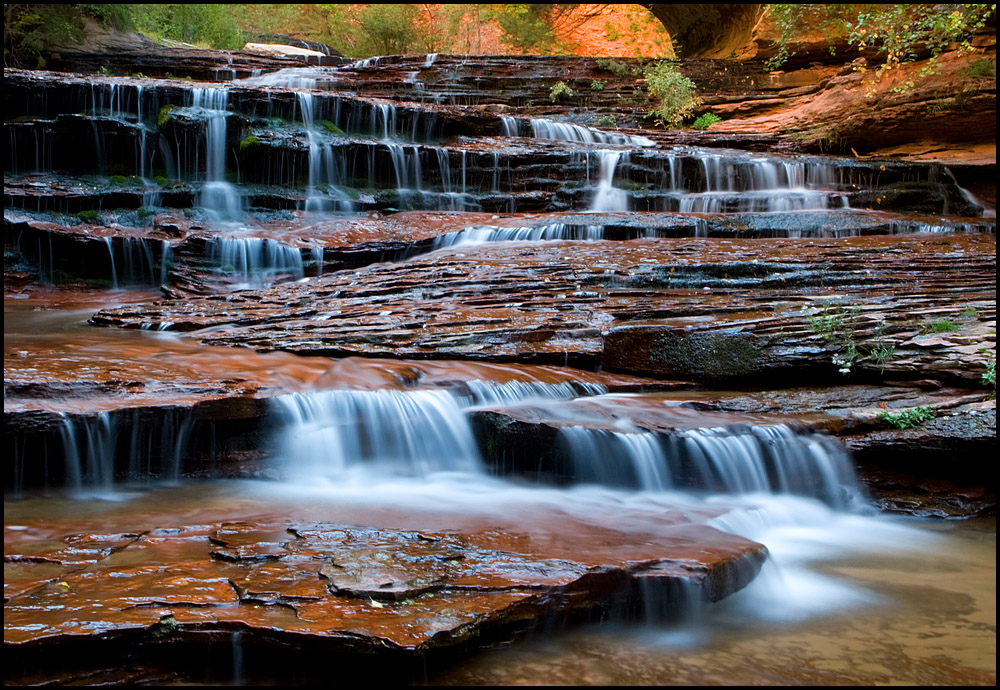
741,459
322,168
564,131
607,198
328,433
554,231
219,197
255,261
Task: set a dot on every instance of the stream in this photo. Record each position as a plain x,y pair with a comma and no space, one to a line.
300,375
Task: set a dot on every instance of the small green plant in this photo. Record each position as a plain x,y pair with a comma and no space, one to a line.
941,326
598,84
248,142
674,93
161,180
990,375
117,179
980,67
606,120
331,127
906,418
104,71
706,120
616,67
164,115
529,104
970,312
559,90
88,216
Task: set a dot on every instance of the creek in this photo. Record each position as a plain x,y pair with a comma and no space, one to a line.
295,370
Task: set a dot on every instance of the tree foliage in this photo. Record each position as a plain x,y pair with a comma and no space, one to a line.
675,93
898,33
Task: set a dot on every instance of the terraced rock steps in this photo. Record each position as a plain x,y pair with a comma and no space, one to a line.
499,336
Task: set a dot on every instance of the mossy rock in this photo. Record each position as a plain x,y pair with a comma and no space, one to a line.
165,114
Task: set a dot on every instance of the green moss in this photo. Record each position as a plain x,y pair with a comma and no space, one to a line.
164,115
161,180
712,356
88,216
248,141
331,127
117,179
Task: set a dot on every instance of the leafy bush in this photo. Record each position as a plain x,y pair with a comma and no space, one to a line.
907,418
615,66
674,92
559,90
706,120
989,377
899,33
598,84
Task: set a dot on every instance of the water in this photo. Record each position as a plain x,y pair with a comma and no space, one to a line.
218,196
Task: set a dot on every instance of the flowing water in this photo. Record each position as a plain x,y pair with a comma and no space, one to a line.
846,597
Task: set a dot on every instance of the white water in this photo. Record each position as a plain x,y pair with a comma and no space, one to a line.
219,197
255,261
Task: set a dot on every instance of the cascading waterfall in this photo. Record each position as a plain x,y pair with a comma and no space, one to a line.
132,261
607,198
757,185
565,131
554,231
414,433
255,261
742,459
322,166
218,196
92,445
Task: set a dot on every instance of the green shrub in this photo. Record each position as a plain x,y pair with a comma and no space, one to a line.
981,67
606,120
706,120
907,418
990,375
674,92
616,67
88,216
598,84
559,90
941,326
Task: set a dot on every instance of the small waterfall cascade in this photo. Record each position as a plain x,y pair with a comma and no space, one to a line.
132,261
408,433
565,131
100,449
323,169
218,196
608,198
255,261
540,233
743,459
737,185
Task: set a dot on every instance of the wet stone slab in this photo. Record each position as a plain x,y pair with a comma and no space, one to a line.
354,588
714,310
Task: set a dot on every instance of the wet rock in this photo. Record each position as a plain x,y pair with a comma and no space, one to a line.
663,307
348,589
